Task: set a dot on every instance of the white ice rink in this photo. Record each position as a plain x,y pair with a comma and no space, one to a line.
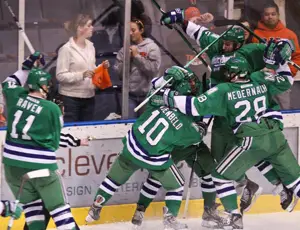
274,221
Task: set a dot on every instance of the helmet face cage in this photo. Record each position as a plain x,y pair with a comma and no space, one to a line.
37,79
190,86
236,34
236,67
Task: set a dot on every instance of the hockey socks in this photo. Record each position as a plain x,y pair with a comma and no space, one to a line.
106,190
208,191
267,170
148,192
63,218
34,215
227,193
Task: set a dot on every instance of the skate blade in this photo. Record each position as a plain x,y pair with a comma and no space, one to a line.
210,225
255,196
291,207
136,227
170,228
89,220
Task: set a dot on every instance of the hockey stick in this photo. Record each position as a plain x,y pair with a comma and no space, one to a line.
226,22
26,40
166,51
183,37
188,193
187,65
30,175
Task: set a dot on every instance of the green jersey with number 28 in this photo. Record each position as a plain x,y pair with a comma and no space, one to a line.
156,133
33,129
240,103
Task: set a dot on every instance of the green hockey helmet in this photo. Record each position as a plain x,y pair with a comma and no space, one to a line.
236,34
236,67
191,85
38,78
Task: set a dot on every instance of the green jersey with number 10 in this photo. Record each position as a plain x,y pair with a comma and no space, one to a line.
33,128
156,133
241,103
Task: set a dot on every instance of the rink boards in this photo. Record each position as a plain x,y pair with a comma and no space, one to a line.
84,168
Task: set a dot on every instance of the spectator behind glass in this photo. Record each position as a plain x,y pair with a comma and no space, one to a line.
144,65
75,69
248,36
271,27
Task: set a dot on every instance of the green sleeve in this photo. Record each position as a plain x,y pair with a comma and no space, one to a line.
204,37
12,91
254,55
211,102
276,83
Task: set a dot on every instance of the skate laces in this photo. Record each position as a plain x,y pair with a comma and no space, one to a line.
139,214
283,196
246,194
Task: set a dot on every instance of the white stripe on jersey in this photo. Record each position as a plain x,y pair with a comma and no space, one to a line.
140,158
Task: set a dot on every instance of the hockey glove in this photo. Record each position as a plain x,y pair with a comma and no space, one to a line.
176,72
277,53
10,209
164,97
32,61
202,127
172,17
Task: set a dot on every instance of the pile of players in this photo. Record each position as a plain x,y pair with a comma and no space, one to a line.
247,132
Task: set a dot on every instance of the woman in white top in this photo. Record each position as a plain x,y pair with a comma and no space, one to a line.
75,68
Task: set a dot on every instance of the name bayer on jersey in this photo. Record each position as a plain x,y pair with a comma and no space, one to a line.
171,117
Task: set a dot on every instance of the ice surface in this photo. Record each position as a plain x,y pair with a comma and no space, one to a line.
274,221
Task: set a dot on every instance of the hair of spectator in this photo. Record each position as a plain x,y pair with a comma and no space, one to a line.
140,24
270,4
72,25
245,19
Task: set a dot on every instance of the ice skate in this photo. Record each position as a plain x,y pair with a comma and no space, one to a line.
171,222
233,221
138,216
287,199
211,218
95,209
250,194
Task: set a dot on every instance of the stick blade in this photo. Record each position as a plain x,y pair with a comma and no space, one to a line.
38,173
224,22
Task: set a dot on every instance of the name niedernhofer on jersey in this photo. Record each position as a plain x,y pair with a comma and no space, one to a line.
248,92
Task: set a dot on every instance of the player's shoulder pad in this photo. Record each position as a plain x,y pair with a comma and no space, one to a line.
52,106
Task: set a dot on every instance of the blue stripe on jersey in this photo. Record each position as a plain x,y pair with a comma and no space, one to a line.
154,81
28,146
131,139
16,153
145,151
188,105
286,73
268,113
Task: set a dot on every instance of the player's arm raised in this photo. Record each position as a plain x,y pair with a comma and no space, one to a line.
202,35
13,84
211,102
277,74
20,76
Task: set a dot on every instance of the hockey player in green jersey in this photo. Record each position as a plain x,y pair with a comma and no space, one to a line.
245,102
197,157
148,145
33,133
231,45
